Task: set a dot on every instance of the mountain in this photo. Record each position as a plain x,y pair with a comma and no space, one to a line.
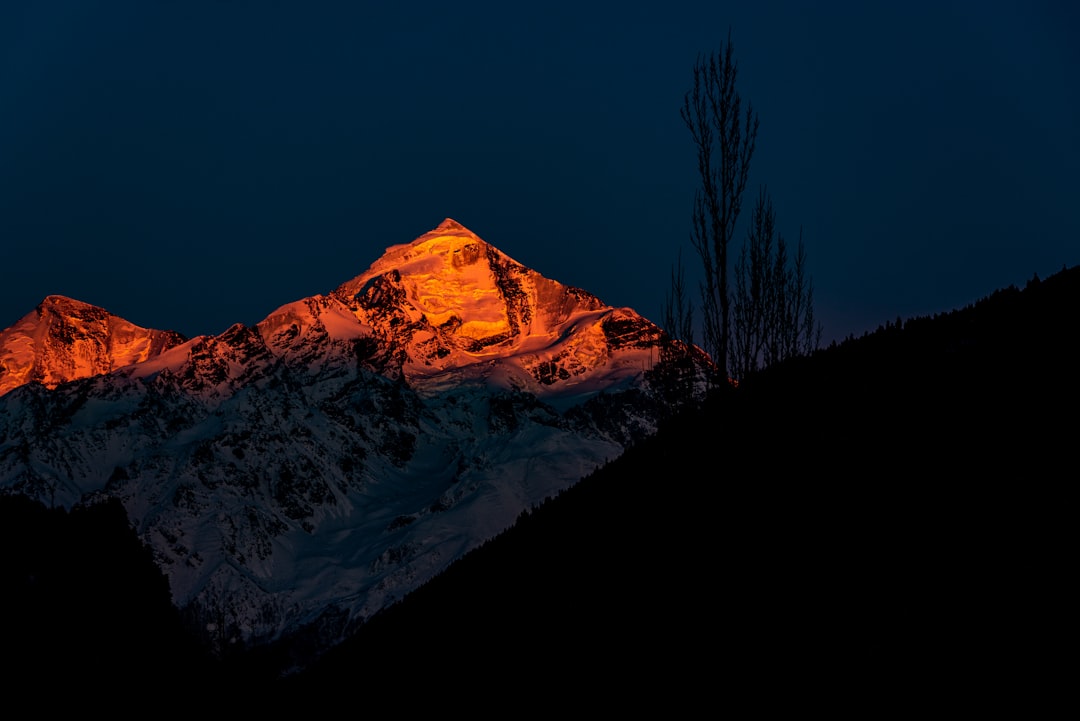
885,524
64,339
294,477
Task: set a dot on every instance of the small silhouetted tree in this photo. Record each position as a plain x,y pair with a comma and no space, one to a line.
772,298
678,308
675,375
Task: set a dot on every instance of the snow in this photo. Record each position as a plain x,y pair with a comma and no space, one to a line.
65,339
173,358
266,465
320,312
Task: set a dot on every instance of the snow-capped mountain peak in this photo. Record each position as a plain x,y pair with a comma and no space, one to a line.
321,464
64,339
457,308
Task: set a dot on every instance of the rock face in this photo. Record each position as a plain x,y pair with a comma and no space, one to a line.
448,304
305,472
63,339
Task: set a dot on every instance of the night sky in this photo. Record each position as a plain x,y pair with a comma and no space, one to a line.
188,165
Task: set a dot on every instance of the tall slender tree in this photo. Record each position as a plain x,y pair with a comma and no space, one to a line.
724,136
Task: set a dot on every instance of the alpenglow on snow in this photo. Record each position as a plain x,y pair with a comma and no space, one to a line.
318,466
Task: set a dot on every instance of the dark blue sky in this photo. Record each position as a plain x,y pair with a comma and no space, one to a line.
192,164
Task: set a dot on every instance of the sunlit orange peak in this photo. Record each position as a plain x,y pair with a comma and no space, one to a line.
451,224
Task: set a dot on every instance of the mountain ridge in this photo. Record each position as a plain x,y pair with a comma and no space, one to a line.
65,339
316,466
426,305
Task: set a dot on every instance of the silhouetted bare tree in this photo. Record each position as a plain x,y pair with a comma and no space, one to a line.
678,308
772,300
724,136
676,375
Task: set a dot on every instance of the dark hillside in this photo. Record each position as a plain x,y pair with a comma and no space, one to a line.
884,520
86,613
980,390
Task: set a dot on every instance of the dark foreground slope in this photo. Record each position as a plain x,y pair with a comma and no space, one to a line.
85,614
878,525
